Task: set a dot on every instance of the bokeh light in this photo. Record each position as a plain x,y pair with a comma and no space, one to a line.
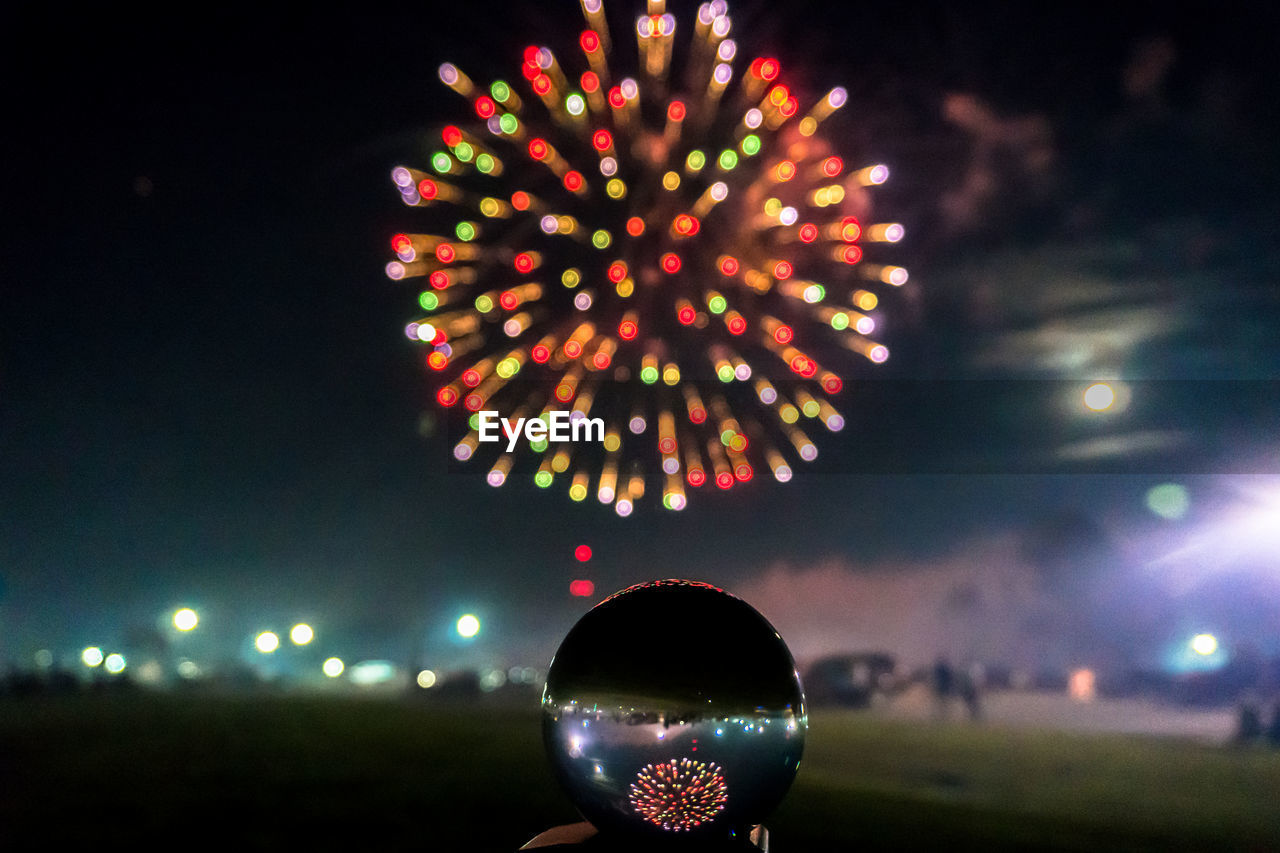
426,679
266,642
114,663
185,619
468,625
582,553
333,667
301,634
1204,644
1169,500
92,656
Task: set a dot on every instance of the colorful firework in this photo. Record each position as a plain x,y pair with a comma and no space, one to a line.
678,257
680,794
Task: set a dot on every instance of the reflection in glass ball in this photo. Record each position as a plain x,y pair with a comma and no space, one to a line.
695,732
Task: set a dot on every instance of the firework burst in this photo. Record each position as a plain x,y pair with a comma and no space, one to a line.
680,253
680,794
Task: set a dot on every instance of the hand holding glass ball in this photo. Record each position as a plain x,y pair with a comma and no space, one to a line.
673,711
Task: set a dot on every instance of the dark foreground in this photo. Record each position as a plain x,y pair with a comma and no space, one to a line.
312,774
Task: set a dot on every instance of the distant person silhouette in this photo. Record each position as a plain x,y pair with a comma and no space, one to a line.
943,686
1273,730
1249,722
971,692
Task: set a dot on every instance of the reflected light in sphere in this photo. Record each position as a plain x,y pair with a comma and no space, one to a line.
301,634
1204,644
266,642
114,663
1099,397
92,656
333,667
185,619
468,626
426,679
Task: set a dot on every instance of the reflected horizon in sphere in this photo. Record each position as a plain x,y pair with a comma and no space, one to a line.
693,733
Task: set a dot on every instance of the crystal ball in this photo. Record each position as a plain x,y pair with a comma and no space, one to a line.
673,709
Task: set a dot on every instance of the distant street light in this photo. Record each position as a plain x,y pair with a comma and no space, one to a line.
333,667
92,656
301,634
114,663
468,626
185,619
1204,644
267,642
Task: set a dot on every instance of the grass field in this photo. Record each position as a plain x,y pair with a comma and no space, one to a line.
312,774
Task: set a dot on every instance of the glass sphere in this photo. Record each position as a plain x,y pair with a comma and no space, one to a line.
674,709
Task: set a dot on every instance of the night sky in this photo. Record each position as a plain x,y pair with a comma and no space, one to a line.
206,397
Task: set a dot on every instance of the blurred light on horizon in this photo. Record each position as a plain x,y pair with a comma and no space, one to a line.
582,588
189,669
1170,501
301,634
1099,397
468,626
114,663
44,658
266,642
370,672
426,679
92,656
333,667
1204,644
185,619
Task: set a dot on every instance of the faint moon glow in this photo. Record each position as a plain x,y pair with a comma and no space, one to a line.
333,667
1169,500
1204,644
426,679
301,634
114,663
468,625
267,642
92,656
1099,397
185,619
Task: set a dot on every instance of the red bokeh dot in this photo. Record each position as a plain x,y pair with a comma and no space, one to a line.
582,553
